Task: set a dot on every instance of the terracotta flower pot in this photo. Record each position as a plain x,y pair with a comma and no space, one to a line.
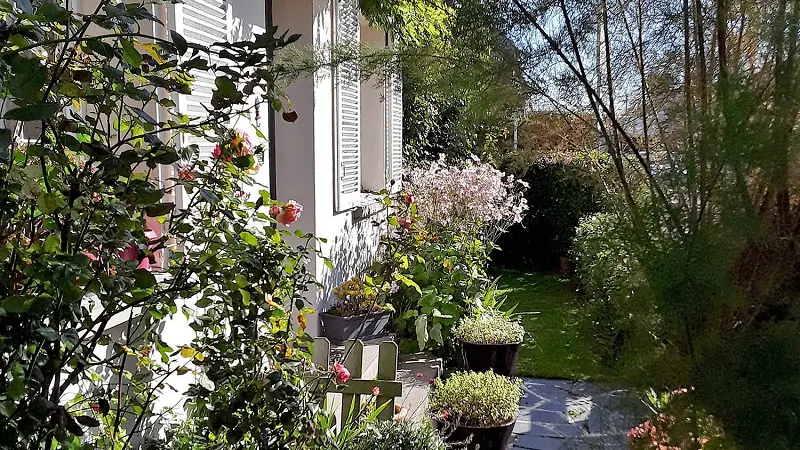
499,358
339,329
489,438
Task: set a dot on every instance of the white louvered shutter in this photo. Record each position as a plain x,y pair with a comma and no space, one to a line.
201,22
394,130
348,101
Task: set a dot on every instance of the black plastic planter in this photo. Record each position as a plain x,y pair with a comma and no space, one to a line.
500,358
493,438
339,329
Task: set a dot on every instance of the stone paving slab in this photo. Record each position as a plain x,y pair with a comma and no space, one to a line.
566,415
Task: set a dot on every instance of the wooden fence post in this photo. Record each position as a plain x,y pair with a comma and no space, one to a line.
356,386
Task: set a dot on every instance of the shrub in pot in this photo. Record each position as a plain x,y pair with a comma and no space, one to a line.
477,408
357,314
490,340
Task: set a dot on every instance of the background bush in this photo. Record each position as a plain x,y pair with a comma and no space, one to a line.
558,196
609,278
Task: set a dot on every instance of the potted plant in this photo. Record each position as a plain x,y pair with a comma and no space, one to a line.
490,340
357,313
476,408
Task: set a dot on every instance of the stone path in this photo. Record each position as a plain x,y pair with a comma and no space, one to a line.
562,415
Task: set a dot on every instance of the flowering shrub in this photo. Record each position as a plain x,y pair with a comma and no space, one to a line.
86,209
473,198
434,275
489,327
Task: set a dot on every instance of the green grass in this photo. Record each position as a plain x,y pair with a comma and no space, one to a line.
556,345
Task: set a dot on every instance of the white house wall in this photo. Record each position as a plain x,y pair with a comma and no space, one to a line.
305,155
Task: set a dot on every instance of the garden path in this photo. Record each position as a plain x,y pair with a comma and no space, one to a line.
562,415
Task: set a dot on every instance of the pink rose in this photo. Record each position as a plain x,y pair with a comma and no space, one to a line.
274,211
343,375
289,213
409,198
341,372
376,391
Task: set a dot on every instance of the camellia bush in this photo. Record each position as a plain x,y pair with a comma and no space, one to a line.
87,212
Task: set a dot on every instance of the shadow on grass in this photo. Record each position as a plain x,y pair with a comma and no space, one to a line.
556,345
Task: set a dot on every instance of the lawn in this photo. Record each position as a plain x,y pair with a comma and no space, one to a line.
556,345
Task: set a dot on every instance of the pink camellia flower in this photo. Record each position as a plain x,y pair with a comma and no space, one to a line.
376,391
185,173
405,222
409,198
274,211
289,213
131,253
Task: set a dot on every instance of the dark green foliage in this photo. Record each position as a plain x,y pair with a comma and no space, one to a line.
558,196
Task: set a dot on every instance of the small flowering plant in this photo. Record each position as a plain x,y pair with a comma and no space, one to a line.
677,424
475,399
357,297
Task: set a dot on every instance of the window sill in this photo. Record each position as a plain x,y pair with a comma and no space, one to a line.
368,206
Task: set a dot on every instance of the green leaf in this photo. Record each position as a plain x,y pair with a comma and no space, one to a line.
179,42
39,111
52,12
130,54
245,297
16,389
49,203
143,279
7,408
52,243
29,79
249,238
226,87
16,304
436,333
48,333
421,327
159,209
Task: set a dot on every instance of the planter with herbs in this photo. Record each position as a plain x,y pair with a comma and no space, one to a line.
477,408
490,340
357,313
